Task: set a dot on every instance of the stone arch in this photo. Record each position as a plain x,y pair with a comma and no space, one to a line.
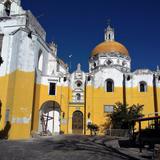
49,118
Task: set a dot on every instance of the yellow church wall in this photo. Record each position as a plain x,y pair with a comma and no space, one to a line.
72,109
3,95
17,96
158,99
97,98
22,105
42,96
133,96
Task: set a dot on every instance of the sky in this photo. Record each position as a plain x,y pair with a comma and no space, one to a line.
77,26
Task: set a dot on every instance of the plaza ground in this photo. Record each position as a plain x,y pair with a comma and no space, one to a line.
66,147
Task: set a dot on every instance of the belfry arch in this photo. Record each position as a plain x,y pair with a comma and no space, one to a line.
7,6
49,118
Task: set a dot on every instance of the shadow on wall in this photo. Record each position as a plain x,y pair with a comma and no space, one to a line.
5,131
0,109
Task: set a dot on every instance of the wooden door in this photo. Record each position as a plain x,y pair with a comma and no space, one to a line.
77,122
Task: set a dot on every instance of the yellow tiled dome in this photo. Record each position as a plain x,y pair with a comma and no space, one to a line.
110,46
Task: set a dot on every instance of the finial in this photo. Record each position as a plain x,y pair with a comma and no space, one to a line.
109,32
157,68
18,2
79,67
108,22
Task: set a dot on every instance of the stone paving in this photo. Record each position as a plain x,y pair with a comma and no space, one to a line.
73,147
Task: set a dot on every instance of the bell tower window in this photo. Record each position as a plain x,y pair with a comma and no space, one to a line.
7,6
78,97
109,36
142,87
109,85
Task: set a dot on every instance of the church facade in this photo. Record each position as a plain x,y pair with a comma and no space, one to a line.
38,93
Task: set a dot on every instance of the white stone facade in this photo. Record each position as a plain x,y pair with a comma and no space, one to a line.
25,48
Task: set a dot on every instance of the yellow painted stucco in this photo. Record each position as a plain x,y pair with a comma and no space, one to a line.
24,100
17,97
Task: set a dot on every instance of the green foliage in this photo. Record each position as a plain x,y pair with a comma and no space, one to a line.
123,115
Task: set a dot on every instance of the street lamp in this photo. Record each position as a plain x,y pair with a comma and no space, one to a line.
1,60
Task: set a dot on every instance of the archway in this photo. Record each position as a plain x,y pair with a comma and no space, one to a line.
49,118
77,122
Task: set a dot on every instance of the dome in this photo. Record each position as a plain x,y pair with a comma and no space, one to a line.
110,46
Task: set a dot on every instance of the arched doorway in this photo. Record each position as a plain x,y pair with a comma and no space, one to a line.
77,122
49,118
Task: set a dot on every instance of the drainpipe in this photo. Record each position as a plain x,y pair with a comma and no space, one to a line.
85,108
155,95
155,100
33,101
124,90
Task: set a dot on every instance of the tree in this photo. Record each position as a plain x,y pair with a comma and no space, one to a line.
123,116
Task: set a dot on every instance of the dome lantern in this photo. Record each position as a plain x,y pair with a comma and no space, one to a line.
109,34
109,45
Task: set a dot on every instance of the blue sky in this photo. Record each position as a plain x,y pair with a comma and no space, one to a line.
77,26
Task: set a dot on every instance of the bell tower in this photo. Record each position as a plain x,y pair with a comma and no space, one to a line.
109,34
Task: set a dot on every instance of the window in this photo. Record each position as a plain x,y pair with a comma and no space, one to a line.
128,78
89,78
109,85
52,89
108,108
143,86
124,63
7,7
40,60
65,79
109,36
1,40
109,62
78,97
79,83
